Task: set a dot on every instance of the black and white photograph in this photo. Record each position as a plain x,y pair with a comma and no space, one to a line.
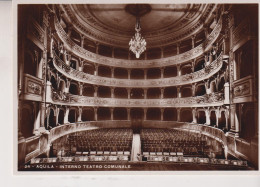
136,87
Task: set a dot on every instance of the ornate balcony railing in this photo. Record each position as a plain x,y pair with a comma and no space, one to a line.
197,76
214,99
99,59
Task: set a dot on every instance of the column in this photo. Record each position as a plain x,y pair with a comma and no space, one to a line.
178,48
48,96
193,41
193,86
162,111
162,52
65,56
51,45
57,114
95,114
178,114
128,73
128,93
194,118
47,117
217,116
227,117
96,91
206,59
37,118
193,65
145,112
97,47
82,40
67,86
80,88
68,58
162,72
128,114
207,117
145,55
43,114
237,119
226,92
178,70
145,74
112,113
112,72
145,93
178,91
232,119
208,91
81,64
44,76
112,92
210,58
66,116
80,115
162,93
96,70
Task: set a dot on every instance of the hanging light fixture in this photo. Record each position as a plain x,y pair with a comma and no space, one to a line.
137,44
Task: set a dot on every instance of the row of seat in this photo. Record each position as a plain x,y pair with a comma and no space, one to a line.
98,142
105,148
177,158
79,159
173,142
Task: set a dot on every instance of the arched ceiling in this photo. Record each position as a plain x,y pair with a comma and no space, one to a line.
162,24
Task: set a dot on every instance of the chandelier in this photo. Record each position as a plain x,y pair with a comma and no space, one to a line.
137,43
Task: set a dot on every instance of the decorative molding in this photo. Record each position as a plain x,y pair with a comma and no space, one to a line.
214,99
80,76
243,90
189,24
107,61
32,88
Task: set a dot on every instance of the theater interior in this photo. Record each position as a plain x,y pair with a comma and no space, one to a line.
137,87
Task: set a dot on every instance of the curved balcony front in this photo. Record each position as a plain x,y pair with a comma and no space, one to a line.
65,129
197,76
214,99
102,60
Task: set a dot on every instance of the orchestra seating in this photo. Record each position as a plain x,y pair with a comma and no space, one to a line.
102,142
172,142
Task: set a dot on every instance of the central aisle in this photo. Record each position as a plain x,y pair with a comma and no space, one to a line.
136,147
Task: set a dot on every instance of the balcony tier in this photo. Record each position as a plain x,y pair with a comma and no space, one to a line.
102,60
197,76
214,99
